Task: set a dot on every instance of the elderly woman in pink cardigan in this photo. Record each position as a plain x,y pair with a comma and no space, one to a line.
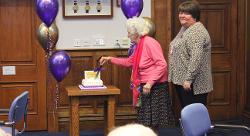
148,78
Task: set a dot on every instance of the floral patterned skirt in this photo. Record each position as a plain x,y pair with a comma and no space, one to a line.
156,107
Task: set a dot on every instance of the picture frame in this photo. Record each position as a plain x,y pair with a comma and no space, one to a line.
87,8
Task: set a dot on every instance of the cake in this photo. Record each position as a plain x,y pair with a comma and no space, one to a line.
92,79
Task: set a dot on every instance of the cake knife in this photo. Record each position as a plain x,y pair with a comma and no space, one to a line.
98,68
98,71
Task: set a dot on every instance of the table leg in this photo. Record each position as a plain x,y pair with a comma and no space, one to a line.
109,114
74,116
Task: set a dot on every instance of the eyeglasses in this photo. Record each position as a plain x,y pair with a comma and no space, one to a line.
130,34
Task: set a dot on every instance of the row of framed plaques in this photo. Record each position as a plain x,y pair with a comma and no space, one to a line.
88,8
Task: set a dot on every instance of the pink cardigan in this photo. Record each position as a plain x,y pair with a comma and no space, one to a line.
152,66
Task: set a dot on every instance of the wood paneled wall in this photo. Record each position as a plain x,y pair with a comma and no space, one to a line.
246,93
20,49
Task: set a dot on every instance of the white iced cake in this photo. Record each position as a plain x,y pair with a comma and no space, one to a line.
92,79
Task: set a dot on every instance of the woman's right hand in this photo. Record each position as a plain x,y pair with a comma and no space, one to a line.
103,60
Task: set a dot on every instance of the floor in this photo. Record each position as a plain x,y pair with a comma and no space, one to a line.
163,132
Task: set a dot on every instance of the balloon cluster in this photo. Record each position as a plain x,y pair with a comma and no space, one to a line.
47,34
133,8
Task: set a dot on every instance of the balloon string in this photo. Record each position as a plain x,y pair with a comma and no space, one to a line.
56,99
57,95
54,116
49,44
52,97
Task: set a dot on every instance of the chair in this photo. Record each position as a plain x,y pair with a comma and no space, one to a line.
16,113
195,121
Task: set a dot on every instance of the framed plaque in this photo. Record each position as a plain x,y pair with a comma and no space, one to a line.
87,8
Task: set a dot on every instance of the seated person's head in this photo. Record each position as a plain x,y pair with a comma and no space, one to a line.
3,133
132,130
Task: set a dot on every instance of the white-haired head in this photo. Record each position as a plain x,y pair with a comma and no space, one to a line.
137,25
132,130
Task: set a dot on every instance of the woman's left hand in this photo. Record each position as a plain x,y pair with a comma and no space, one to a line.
187,85
146,88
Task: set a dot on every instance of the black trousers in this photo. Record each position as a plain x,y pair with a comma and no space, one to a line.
188,97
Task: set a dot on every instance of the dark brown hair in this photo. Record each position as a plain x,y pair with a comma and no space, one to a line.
192,7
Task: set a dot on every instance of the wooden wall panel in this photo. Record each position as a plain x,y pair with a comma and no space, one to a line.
162,13
8,32
246,40
124,83
248,57
221,94
10,91
19,48
218,28
223,50
216,31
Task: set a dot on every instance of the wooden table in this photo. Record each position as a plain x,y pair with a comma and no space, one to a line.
109,106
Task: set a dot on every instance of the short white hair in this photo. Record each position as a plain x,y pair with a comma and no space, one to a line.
132,130
137,25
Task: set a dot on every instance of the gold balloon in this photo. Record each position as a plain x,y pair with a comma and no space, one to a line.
151,26
47,37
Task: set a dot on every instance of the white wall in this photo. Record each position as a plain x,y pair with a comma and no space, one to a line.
86,30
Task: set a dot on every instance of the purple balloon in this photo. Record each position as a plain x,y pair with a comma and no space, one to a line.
131,8
59,64
47,10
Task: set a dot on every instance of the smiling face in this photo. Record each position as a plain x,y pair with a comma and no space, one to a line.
133,35
186,19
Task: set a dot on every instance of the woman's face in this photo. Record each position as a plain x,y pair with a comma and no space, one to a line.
186,19
133,36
